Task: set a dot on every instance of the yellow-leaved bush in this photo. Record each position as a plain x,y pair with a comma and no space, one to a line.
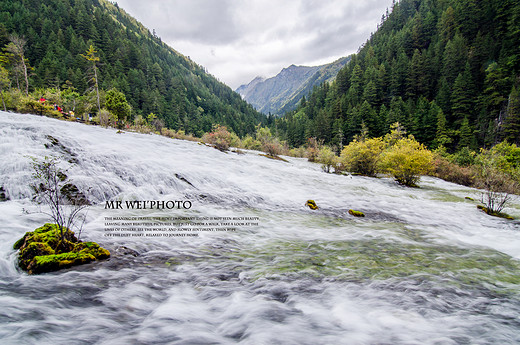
327,158
406,160
363,157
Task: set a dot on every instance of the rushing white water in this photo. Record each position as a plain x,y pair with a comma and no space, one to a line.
423,267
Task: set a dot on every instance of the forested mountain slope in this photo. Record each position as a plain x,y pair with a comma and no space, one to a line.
447,70
154,77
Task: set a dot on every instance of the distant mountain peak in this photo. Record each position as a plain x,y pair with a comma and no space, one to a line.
281,93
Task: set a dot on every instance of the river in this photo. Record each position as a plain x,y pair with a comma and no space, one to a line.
424,266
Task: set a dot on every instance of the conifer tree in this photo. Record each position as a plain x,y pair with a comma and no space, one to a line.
462,104
442,137
16,49
356,86
466,135
91,56
117,104
511,130
4,81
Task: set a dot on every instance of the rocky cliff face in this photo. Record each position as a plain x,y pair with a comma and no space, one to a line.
282,92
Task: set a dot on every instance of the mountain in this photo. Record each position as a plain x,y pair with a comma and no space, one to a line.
282,92
154,77
448,71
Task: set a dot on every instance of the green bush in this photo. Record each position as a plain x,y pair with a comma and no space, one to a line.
327,158
117,104
251,144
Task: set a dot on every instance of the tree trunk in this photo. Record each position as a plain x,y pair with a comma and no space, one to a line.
3,101
97,88
25,76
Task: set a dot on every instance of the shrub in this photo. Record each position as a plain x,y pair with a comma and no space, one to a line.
498,174
251,144
12,99
362,157
446,170
49,183
170,133
139,121
498,188
269,143
299,152
313,148
220,138
234,141
117,104
406,160
29,105
105,118
504,156
327,158
465,157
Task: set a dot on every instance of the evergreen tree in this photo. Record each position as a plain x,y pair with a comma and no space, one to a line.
462,104
16,51
454,59
466,135
356,82
117,104
442,137
370,93
369,118
91,56
4,82
511,130
416,84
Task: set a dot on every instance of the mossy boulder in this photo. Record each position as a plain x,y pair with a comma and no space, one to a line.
278,158
3,194
49,234
49,263
74,195
44,250
356,213
91,248
312,204
496,214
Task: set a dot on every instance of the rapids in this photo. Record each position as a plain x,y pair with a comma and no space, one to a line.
424,266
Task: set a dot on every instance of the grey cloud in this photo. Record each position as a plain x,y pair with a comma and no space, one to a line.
234,38
203,21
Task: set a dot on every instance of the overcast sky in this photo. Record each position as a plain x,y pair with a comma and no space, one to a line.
237,40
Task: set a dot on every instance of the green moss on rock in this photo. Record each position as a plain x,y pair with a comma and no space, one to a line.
312,204
3,194
496,214
50,263
356,213
32,250
278,158
43,250
92,248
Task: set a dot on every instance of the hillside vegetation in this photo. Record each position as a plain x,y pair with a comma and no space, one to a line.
154,77
448,71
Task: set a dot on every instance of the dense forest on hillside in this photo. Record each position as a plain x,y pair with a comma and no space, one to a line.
154,77
447,70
